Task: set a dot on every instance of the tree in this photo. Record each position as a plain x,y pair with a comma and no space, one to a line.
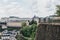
26,31
33,22
58,10
29,30
20,37
23,24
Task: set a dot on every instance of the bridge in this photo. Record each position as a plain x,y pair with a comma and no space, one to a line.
48,31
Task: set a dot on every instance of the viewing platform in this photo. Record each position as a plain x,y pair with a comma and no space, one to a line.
49,24
48,31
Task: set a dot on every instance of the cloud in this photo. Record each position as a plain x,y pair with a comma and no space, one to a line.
28,8
15,8
47,7
5,1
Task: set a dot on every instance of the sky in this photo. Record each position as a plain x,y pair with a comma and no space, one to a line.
28,8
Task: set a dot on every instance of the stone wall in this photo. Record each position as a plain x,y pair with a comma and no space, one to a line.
48,32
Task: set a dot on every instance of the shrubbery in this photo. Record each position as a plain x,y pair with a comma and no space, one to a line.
29,31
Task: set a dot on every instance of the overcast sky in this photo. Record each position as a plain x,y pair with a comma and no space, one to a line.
27,8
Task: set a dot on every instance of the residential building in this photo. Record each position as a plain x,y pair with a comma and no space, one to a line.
8,35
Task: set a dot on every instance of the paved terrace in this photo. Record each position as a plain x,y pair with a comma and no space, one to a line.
49,23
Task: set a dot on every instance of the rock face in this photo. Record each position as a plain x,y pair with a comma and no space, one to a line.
48,32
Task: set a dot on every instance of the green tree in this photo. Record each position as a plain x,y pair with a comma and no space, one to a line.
20,37
29,31
58,10
26,31
33,22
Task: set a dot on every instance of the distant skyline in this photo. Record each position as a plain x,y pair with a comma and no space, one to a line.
24,8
